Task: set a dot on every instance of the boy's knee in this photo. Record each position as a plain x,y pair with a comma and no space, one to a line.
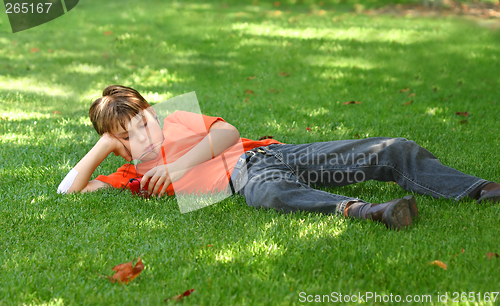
402,143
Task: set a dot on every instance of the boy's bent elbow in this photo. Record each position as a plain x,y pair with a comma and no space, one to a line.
94,185
236,135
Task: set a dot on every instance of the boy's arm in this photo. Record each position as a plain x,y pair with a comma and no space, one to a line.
87,165
94,185
222,135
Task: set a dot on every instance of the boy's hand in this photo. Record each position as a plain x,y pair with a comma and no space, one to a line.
116,146
159,175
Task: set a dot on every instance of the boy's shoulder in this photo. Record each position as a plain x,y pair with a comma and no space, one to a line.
193,121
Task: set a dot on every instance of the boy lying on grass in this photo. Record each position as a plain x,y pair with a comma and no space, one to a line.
196,152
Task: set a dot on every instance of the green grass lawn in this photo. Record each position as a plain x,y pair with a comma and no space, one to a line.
55,247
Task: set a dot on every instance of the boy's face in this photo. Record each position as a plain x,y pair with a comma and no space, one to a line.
143,136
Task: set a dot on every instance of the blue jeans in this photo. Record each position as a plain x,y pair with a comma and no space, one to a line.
283,176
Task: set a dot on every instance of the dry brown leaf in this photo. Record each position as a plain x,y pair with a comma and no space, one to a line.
405,90
56,112
412,95
246,100
33,50
107,33
465,114
126,272
491,255
455,256
248,91
272,90
357,136
251,77
276,3
439,263
283,73
50,50
351,102
180,296
409,102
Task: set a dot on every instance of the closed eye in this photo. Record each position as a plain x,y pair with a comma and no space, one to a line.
142,126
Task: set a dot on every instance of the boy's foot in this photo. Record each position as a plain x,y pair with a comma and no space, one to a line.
396,214
490,192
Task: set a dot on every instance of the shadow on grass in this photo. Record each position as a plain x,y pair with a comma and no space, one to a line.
177,50
123,56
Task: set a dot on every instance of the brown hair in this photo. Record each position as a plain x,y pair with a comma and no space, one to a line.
117,105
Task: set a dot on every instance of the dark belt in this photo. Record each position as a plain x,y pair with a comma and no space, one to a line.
236,182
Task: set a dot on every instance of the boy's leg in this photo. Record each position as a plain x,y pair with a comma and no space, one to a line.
271,184
343,162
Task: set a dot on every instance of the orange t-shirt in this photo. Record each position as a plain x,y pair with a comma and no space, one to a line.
183,131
